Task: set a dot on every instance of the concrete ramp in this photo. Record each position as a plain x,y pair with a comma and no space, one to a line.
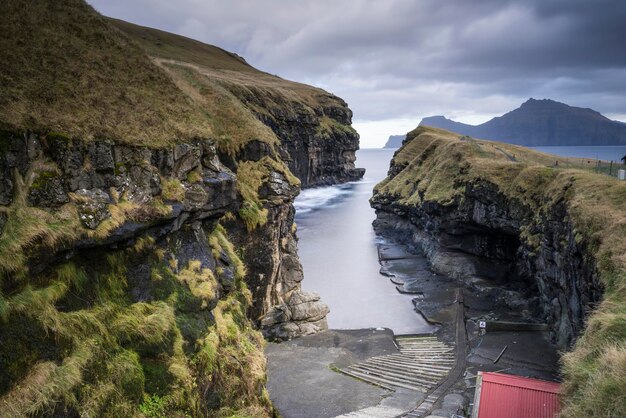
419,366
374,412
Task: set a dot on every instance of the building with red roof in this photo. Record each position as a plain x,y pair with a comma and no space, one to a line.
506,396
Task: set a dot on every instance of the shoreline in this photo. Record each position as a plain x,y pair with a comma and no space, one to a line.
319,358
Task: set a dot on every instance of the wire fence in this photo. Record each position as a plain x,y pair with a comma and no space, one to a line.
609,168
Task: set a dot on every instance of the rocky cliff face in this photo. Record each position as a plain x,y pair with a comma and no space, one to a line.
147,240
317,141
479,235
484,231
145,243
510,216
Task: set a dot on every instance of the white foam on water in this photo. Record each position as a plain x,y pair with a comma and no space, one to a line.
318,197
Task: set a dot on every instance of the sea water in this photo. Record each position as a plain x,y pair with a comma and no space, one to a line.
338,251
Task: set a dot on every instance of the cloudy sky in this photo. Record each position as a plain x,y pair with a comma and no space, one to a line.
396,61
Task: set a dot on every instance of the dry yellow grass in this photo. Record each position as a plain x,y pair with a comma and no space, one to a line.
67,70
438,165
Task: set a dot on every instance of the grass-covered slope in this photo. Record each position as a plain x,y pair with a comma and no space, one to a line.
66,69
437,165
234,94
69,70
76,342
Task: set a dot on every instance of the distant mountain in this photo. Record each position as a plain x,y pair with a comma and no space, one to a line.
542,122
394,141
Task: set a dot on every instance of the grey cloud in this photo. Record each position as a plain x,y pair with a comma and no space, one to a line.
401,58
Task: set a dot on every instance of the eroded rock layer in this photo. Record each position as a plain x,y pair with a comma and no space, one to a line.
492,212
147,239
484,232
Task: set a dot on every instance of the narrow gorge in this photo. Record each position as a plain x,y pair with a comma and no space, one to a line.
159,197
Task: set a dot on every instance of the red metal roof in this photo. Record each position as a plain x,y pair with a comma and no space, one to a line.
507,396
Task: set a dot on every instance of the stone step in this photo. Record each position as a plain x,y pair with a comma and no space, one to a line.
420,342
426,381
418,345
412,367
395,377
383,382
427,357
425,347
420,338
439,360
374,412
441,366
427,350
434,366
438,353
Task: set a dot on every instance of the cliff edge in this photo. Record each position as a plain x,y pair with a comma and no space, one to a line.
482,209
146,216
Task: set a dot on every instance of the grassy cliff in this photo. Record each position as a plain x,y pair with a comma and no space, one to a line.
120,292
436,165
79,343
69,70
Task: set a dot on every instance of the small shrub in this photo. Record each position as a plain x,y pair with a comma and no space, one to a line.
172,189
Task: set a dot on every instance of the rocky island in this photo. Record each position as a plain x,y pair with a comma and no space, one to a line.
542,122
394,141
482,210
147,240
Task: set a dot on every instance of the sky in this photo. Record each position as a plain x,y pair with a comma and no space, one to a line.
397,61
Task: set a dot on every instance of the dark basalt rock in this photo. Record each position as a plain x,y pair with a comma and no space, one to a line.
93,207
254,151
278,186
93,176
48,190
481,235
318,155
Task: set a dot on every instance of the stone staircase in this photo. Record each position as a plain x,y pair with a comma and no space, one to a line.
420,365
373,412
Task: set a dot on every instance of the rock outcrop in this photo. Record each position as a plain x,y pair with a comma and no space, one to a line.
318,142
478,236
146,217
481,230
157,226
510,215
